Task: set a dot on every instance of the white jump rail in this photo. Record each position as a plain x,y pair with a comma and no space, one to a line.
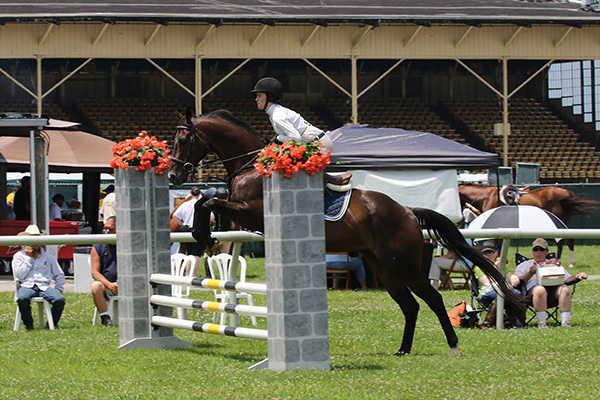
166,279
224,330
186,237
212,306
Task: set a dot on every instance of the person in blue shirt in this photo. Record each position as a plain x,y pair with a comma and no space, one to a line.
104,272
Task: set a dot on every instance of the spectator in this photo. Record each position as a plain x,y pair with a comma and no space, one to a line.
104,271
340,262
34,269
184,214
527,272
55,208
109,207
22,202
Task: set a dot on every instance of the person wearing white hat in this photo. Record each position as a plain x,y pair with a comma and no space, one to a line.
34,269
527,272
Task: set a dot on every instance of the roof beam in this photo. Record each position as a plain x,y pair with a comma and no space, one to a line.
366,32
310,35
99,35
334,83
563,37
208,32
67,77
464,36
513,36
233,71
365,90
476,75
46,34
161,69
413,35
257,37
152,35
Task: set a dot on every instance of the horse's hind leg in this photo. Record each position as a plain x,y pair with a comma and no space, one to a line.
421,287
410,308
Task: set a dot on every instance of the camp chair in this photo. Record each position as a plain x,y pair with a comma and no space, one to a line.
456,270
552,306
340,273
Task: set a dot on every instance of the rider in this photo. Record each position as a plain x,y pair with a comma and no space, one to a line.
287,124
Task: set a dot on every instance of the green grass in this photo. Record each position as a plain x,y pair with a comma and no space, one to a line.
79,361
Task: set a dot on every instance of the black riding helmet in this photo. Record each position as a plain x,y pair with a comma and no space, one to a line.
272,87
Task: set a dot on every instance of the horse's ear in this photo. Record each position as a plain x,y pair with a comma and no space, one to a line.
178,115
188,114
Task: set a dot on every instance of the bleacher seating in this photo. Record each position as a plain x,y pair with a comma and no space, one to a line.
537,136
405,113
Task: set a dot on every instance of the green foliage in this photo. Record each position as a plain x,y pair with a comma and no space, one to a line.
81,361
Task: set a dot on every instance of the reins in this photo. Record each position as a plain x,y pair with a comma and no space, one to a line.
189,167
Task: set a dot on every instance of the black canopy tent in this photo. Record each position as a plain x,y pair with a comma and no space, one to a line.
369,147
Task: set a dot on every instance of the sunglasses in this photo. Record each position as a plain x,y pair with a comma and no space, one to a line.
539,249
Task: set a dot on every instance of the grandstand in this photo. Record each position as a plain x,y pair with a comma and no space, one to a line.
431,67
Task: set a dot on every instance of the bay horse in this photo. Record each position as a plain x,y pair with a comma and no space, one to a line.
559,201
387,233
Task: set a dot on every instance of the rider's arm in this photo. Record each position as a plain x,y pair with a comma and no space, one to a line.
283,126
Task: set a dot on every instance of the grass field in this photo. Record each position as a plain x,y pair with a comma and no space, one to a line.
81,361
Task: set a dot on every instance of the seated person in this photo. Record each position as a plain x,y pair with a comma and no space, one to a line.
103,259
340,262
34,269
487,291
527,272
444,262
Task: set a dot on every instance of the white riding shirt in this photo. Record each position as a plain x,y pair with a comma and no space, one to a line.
289,125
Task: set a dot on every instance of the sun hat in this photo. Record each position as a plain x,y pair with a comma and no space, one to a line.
31,230
540,242
489,245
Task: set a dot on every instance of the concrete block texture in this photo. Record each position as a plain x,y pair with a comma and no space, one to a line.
143,248
295,267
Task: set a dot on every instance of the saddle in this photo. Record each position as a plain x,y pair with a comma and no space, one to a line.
338,183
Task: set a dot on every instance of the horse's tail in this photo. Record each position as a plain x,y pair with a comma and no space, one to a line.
446,233
579,205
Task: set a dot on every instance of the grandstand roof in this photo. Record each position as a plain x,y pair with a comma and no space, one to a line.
314,11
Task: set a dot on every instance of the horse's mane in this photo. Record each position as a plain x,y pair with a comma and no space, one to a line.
227,116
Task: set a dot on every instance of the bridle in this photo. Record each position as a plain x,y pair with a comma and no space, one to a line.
189,167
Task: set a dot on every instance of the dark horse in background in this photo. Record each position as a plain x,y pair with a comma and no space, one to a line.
561,202
388,234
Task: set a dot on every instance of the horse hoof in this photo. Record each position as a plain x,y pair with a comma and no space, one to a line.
401,353
454,351
571,265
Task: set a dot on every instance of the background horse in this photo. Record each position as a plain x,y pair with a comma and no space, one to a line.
387,233
561,202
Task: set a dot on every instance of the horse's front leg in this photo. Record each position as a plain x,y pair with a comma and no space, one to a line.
201,230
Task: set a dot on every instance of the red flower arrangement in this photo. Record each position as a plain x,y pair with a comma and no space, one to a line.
291,157
143,153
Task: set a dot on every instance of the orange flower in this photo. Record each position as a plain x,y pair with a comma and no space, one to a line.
142,152
291,157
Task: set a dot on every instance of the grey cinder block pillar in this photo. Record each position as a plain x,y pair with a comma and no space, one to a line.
143,248
295,269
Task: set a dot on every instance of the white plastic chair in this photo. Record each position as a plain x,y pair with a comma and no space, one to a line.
182,265
112,306
42,304
222,262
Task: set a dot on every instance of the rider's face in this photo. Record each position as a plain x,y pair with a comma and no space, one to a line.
261,100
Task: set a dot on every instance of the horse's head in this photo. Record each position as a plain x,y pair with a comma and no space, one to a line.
189,148
510,195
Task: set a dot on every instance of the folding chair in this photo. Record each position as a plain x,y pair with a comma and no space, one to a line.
345,274
552,306
182,265
42,305
222,262
456,270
